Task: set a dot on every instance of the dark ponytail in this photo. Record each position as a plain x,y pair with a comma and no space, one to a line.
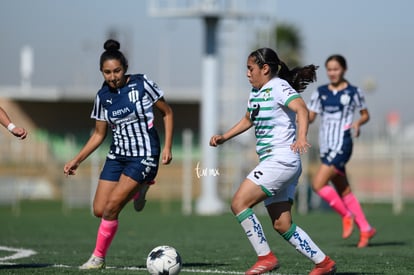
298,78
112,52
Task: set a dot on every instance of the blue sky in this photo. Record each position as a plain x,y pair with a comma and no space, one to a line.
376,37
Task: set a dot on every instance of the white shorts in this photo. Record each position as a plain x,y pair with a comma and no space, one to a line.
277,178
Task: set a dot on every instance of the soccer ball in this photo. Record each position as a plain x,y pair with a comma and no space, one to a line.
164,260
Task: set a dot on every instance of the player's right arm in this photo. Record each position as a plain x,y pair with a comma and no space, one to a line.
96,139
13,129
314,106
361,121
243,125
312,116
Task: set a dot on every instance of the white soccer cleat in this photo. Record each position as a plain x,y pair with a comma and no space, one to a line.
94,262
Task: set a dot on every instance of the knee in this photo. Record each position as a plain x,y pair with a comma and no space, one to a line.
344,191
112,209
234,208
316,187
98,214
281,227
97,211
318,183
237,206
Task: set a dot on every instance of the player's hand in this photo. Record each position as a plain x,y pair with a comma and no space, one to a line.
217,140
19,132
356,129
70,168
300,146
166,156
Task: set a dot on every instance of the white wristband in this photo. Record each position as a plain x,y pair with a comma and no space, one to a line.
11,126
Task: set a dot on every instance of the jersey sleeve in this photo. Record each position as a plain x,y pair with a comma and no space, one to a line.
286,94
314,104
98,112
359,98
152,90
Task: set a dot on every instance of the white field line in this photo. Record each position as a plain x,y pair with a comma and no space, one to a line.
184,270
20,253
188,270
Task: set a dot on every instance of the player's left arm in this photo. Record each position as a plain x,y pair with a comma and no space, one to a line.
364,118
302,117
168,118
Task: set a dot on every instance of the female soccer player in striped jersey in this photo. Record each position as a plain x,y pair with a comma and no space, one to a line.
273,108
125,104
336,103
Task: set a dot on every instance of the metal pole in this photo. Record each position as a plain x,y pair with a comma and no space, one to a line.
397,177
209,202
187,172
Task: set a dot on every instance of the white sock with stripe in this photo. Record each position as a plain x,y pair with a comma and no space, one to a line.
254,231
304,244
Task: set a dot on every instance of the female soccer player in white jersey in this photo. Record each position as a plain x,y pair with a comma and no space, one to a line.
273,108
125,104
336,103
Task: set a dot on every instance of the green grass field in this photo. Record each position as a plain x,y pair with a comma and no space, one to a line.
208,245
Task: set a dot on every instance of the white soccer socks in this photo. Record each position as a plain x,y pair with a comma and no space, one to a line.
304,244
254,231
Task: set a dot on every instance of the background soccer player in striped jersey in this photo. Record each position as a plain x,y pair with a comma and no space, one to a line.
336,103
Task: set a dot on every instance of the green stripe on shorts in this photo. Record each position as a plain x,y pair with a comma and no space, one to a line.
268,193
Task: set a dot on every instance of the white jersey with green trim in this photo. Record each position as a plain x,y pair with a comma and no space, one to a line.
274,122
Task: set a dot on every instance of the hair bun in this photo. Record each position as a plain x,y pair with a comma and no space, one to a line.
112,45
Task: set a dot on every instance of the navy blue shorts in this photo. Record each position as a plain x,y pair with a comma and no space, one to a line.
141,169
338,158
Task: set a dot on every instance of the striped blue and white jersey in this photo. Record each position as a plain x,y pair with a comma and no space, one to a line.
129,113
336,109
274,122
